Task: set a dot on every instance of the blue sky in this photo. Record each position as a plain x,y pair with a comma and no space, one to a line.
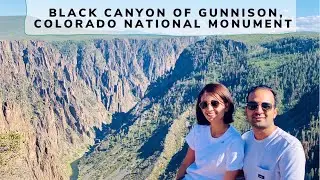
18,7
307,8
307,11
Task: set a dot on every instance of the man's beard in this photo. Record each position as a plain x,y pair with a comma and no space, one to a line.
259,125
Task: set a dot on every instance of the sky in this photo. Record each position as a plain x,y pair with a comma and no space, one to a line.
18,7
307,12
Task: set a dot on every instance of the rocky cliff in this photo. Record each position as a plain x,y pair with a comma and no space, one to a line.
149,144
54,96
135,99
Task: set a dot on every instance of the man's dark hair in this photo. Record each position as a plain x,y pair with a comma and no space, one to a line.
253,89
224,94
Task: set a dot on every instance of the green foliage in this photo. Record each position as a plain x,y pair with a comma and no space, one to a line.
240,122
309,137
237,65
255,39
271,62
9,146
66,48
292,45
69,48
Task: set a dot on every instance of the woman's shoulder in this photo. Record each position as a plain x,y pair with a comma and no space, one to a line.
197,128
235,132
235,135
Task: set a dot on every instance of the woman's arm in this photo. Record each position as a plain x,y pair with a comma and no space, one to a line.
234,159
188,160
231,175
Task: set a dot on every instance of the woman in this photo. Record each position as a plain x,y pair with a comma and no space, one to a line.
215,147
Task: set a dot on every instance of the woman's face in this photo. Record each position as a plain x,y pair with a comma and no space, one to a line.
213,107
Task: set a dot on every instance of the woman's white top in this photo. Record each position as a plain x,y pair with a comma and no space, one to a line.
214,156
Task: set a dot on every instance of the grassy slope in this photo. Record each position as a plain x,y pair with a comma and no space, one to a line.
255,39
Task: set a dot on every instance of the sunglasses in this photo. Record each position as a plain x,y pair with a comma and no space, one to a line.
204,104
254,105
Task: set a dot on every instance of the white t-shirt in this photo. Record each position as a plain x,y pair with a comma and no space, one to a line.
214,156
279,156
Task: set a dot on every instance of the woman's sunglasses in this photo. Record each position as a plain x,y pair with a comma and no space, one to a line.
204,104
254,105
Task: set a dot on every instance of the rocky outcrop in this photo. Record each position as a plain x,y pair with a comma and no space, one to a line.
150,145
119,71
54,95
52,116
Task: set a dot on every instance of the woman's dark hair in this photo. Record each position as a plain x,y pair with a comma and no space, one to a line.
224,94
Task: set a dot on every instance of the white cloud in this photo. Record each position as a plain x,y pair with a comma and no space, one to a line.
309,23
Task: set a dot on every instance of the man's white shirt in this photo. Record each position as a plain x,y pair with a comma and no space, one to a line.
280,156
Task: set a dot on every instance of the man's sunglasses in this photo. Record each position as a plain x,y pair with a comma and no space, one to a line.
204,104
254,105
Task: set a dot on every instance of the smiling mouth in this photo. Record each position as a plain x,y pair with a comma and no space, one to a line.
258,118
210,114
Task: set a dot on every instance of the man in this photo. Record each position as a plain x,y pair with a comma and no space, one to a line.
270,152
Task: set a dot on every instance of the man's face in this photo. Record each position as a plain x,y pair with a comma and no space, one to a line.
260,109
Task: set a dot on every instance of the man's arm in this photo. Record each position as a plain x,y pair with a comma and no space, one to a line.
188,160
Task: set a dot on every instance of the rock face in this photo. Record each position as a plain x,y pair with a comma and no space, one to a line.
55,95
143,147
151,142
